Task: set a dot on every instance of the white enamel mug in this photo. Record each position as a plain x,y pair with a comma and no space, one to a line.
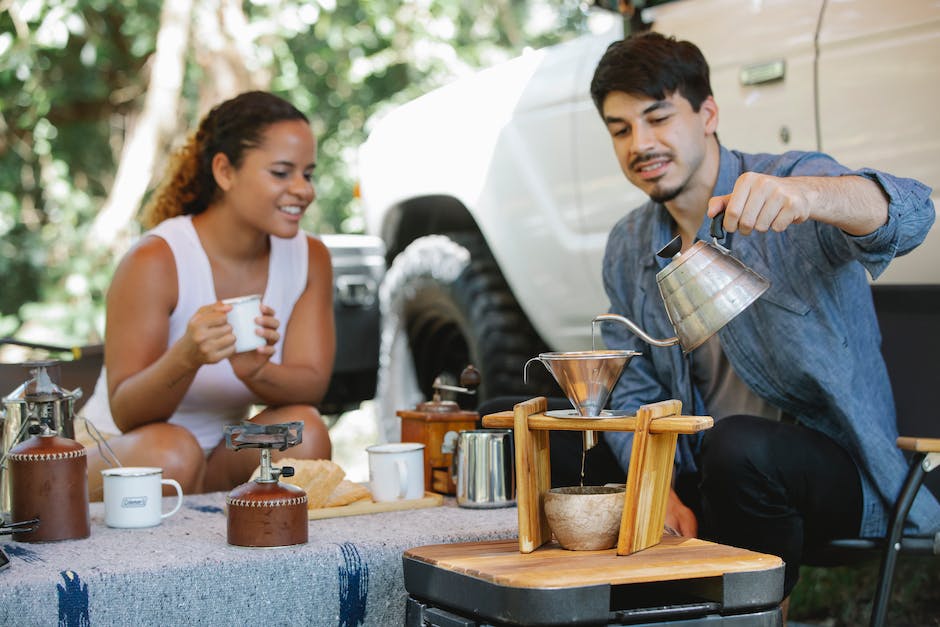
396,471
242,318
133,496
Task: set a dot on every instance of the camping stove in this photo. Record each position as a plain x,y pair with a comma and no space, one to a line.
265,512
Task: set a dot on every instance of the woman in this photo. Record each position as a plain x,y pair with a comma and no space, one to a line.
225,223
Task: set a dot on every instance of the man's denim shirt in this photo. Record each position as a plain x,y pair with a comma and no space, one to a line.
810,345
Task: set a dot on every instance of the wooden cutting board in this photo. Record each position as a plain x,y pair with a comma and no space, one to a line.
430,499
501,563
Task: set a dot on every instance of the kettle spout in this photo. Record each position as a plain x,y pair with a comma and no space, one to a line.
636,330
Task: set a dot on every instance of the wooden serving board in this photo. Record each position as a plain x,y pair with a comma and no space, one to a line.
430,499
551,566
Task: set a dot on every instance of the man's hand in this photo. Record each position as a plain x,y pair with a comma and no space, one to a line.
680,517
761,202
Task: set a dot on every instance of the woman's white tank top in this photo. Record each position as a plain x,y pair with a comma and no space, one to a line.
216,397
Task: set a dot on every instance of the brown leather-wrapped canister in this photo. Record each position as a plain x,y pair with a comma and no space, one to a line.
48,481
266,514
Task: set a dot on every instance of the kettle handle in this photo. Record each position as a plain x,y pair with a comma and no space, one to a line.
717,228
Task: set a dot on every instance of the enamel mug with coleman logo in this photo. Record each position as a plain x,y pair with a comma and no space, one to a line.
133,496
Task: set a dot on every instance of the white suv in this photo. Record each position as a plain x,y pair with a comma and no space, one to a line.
494,195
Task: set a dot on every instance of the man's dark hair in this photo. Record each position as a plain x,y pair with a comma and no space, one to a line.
653,65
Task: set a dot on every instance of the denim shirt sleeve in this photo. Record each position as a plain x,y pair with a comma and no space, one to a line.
910,215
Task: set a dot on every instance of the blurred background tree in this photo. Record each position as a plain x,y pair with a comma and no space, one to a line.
94,94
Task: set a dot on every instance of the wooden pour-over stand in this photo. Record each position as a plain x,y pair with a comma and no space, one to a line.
656,428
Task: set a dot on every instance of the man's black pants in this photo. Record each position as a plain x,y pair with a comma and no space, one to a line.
773,487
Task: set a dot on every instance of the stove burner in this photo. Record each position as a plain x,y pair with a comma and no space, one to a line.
252,435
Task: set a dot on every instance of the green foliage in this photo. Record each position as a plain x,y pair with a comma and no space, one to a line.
74,72
842,597
67,69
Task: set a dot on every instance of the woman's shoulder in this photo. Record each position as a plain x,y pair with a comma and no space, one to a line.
150,256
316,248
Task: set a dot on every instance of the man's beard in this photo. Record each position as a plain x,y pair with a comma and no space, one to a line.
663,196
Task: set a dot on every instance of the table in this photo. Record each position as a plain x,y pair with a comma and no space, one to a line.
183,572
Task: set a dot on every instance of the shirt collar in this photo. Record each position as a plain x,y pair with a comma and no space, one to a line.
729,169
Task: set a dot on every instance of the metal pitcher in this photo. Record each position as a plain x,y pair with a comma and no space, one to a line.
482,468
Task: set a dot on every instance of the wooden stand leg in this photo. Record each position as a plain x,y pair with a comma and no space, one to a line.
648,480
533,475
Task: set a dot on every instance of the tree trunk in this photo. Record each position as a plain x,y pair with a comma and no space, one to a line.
225,50
156,122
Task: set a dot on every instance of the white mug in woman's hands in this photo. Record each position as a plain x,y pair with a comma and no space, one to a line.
242,318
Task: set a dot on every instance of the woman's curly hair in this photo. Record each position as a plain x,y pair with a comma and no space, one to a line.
229,128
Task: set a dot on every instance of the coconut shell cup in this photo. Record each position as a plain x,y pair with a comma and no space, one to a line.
585,518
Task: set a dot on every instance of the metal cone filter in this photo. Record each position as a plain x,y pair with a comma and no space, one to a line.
587,377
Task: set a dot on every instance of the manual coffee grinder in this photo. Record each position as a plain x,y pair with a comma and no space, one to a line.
430,422
264,512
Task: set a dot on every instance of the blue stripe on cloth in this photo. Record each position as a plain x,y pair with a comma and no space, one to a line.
353,587
207,509
24,553
73,601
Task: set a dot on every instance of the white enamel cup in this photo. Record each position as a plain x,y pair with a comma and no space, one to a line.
396,471
133,496
242,318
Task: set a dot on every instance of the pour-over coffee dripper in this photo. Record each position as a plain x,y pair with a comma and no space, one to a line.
587,378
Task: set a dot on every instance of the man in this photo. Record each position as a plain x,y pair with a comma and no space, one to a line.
802,450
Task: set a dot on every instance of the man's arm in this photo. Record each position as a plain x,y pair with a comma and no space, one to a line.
761,202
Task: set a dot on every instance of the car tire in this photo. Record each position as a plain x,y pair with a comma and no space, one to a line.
445,305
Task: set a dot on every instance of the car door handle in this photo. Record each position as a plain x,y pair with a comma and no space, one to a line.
761,73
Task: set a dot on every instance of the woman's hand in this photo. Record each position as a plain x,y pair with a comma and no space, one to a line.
208,338
246,365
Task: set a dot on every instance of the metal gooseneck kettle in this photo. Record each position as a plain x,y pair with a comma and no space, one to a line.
703,289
